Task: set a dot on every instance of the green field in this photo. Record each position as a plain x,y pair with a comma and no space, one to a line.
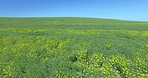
73,48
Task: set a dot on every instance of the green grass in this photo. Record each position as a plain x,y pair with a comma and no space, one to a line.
73,48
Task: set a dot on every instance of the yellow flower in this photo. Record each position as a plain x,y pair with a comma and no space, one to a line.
142,75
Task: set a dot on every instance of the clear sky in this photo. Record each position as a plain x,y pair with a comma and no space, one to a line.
116,9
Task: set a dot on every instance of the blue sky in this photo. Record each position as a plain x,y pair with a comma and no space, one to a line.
115,9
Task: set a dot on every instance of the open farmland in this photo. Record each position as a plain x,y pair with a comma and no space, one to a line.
73,48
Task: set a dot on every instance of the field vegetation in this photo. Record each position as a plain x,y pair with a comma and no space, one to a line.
73,48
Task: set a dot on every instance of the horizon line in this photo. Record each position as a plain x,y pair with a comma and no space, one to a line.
72,17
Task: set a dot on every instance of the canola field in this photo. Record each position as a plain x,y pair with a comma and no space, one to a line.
73,48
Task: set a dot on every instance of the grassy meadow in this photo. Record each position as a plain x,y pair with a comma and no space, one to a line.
73,48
